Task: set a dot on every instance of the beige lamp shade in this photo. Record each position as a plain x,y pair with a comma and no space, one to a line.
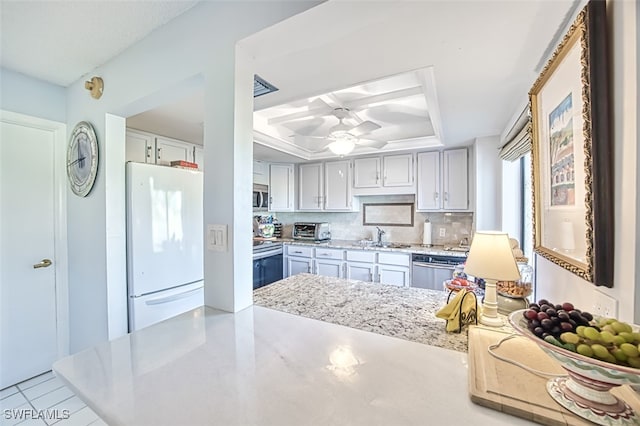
490,257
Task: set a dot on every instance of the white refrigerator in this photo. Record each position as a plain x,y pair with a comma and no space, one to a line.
164,242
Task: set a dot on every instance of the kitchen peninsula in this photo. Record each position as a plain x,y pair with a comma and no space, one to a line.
264,367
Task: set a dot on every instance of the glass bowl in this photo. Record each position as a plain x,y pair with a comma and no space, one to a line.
449,285
585,391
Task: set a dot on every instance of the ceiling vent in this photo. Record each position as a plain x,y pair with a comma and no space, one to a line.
262,87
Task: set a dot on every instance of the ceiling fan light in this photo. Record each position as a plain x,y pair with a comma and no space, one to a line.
342,146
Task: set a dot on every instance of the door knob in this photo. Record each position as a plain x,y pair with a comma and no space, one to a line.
44,263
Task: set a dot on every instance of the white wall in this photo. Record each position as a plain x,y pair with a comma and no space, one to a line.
32,97
555,283
200,42
488,184
511,199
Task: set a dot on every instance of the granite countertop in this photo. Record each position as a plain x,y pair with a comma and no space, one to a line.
263,367
402,312
356,245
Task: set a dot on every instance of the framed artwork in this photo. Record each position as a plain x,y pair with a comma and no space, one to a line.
572,152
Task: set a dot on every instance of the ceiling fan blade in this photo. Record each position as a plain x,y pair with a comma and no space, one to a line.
364,128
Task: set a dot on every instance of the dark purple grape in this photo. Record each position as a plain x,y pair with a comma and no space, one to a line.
565,326
535,323
573,323
545,334
558,307
587,316
542,302
568,306
551,312
555,320
530,314
546,323
555,330
544,307
575,315
563,316
538,331
542,316
534,306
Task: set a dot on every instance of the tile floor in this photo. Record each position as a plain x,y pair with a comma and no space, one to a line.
44,400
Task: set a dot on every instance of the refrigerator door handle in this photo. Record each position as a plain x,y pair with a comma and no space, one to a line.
172,298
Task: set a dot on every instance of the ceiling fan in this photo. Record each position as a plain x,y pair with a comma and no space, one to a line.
342,138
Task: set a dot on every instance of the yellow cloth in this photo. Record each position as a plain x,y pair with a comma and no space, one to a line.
451,311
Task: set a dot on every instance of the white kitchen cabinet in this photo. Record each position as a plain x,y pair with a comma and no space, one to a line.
337,185
260,172
455,179
281,187
360,271
310,187
330,268
443,180
428,192
168,150
140,147
384,175
298,265
397,170
394,275
366,172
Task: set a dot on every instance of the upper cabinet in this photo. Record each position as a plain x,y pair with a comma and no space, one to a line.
443,180
144,147
260,172
281,190
325,186
388,174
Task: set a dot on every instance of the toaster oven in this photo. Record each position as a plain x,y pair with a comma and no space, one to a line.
313,231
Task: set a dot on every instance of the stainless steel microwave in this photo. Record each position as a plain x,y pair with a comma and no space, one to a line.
260,197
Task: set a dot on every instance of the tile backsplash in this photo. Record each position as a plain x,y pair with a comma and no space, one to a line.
446,228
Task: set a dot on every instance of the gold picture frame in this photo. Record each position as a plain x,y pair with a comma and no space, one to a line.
572,152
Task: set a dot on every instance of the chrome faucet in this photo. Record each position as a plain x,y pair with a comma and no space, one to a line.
379,238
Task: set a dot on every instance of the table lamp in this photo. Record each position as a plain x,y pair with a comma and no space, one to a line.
490,257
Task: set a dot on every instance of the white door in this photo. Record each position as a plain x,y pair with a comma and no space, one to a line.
28,298
360,271
329,268
298,265
394,275
310,189
139,147
366,172
428,193
281,187
337,186
398,170
168,150
456,179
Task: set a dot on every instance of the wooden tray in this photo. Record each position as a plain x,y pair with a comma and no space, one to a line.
505,387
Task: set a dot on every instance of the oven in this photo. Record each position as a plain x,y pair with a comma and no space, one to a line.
267,263
430,271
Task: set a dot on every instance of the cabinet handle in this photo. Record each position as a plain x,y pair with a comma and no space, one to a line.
325,254
377,177
309,268
159,153
370,277
446,196
435,195
379,278
298,252
148,152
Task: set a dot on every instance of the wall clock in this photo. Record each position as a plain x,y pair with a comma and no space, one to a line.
82,158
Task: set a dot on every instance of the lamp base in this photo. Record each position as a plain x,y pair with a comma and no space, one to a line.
491,321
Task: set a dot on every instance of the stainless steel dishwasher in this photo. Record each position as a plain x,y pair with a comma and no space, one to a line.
430,270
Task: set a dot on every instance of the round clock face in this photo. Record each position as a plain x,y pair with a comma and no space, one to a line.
82,158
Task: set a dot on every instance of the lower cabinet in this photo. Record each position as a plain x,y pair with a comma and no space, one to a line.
363,265
330,268
360,271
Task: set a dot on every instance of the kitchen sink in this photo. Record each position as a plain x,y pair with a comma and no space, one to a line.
369,243
395,245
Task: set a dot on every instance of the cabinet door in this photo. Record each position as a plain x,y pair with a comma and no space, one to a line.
298,265
337,185
455,180
360,271
281,187
168,150
139,147
198,157
260,172
398,170
310,187
329,268
366,172
428,186
394,275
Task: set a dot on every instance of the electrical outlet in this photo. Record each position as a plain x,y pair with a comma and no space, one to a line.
604,306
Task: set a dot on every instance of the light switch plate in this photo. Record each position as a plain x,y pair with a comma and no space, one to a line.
217,237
